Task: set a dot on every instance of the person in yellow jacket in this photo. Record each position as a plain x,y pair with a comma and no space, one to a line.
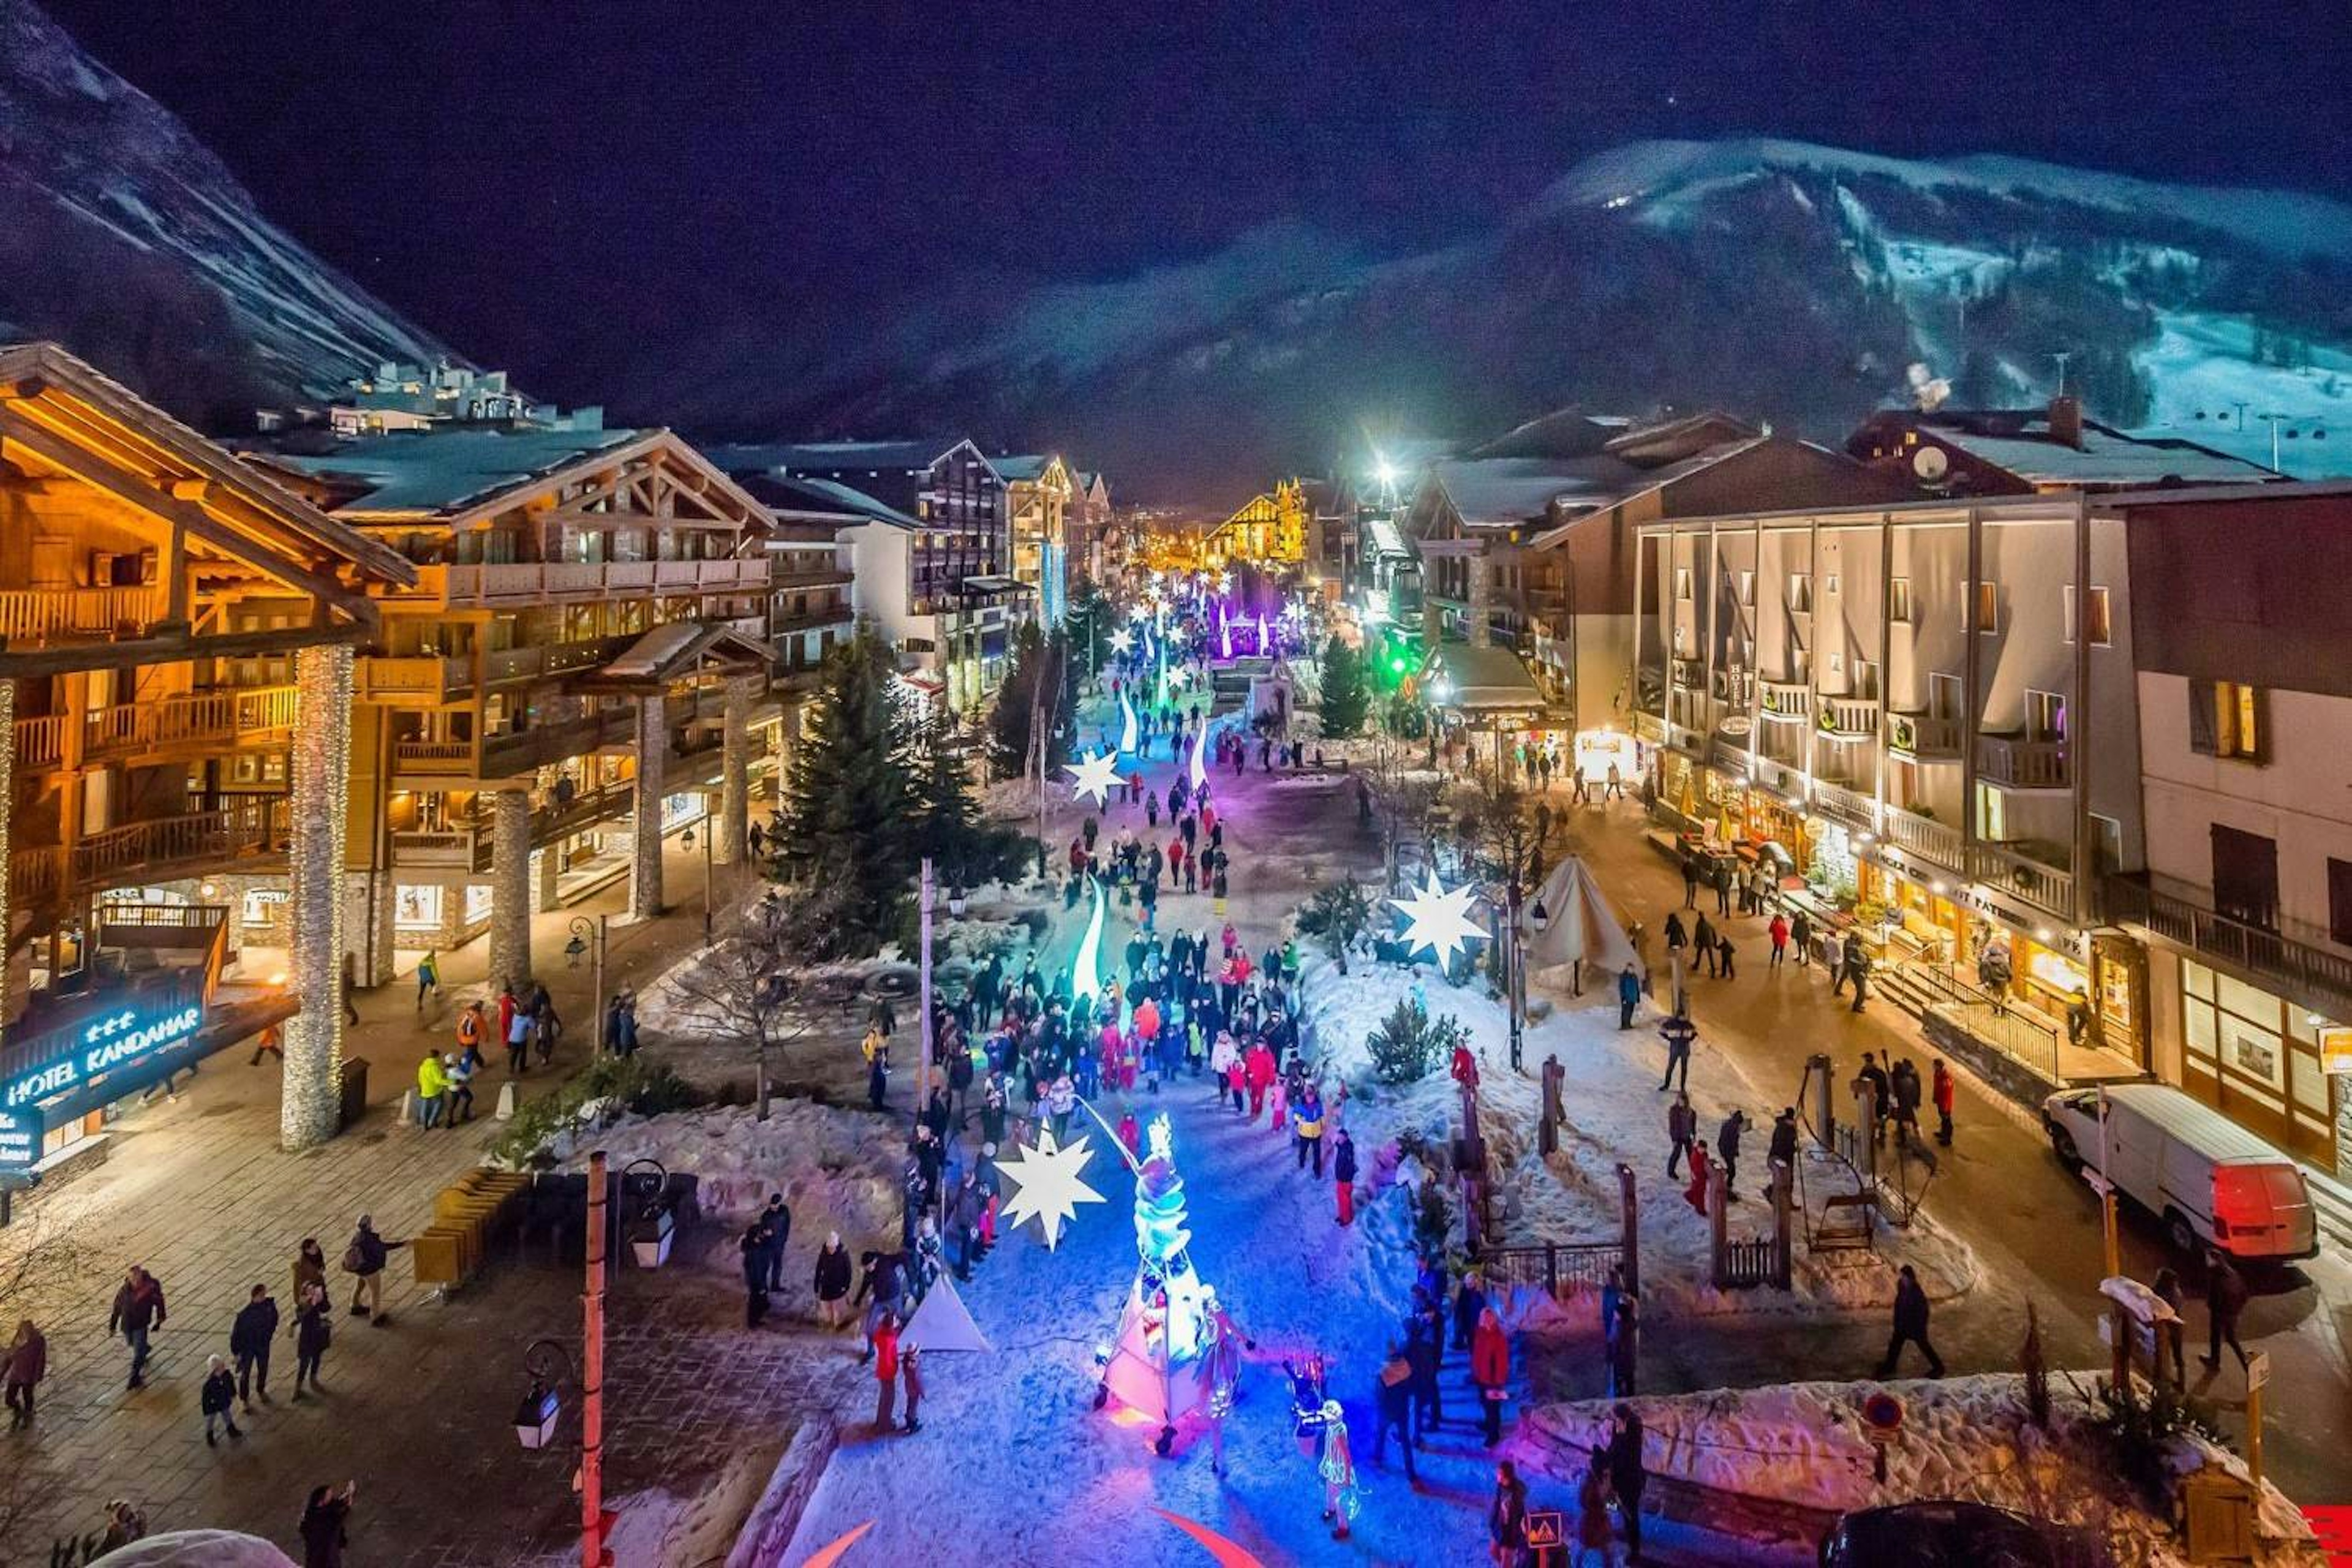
1306,1125
432,1085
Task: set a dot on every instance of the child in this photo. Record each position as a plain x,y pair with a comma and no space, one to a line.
1129,1135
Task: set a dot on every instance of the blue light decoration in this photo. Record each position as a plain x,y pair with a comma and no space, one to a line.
1086,972
1127,732
106,1043
1200,757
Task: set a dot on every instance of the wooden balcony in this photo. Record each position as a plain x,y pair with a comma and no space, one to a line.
158,849
1786,702
2039,883
36,617
1849,717
1926,737
426,678
1842,804
1926,837
2015,761
515,583
221,719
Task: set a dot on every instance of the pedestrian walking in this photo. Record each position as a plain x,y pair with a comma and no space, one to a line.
1682,1132
832,1283
312,1334
1490,1369
139,1310
1594,1530
1679,1033
883,1342
1834,961
1307,1124
1343,1174
1507,1513
1783,1149
2225,1301
1629,994
325,1525
1706,950
1628,1475
1394,1404
1723,948
1881,1094
753,1246
1338,1471
1690,881
911,1373
1694,1193
1624,1347
2170,1334
366,1256
1941,1092
28,1363
1904,1083
1910,1326
428,977
214,1399
1779,933
431,1084
249,1337
1726,1148
1857,969
778,1217
516,1032
1423,1351
270,1042
1801,937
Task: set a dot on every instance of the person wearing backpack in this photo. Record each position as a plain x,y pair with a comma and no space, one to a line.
364,1258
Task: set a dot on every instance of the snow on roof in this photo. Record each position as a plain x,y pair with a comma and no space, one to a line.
1023,468
2105,456
447,470
1500,491
831,456
672,649
828,498
1387,541
1481,678
1659,174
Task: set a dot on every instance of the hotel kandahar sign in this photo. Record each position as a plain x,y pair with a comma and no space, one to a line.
20,1139
108,1044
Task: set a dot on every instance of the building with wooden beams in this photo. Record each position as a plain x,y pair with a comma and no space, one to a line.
1268,529
576,670
177,646
1038,488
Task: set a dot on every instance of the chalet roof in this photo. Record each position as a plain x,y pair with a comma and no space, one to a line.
822,498
446,472
677,649
1478,679
2018,441
1027,469
46,374
1503,493
802,458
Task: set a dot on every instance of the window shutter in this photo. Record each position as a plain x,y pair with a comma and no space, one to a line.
2202,736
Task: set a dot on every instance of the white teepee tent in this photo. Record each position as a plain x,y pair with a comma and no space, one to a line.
942,1322
1578,924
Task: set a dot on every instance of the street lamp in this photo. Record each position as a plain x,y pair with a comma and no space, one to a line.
535,1417
687,841
588,936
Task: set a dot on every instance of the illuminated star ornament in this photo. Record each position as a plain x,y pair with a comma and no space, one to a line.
1438,920
1178,675
1096,775
1122,641
1051,1178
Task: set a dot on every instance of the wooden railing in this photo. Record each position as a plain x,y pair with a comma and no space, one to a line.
1923,836
2046,887
432,756
508,583
37,615
2023,763
196,718
155,847
429,674
1849,806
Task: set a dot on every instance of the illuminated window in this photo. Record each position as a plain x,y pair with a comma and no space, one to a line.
2228,718
1898,599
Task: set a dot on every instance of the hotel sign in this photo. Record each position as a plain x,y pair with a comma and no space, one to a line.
106,1044
20,1139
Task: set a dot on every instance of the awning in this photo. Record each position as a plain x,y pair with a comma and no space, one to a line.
1387,541
1462,679
675,651
995,585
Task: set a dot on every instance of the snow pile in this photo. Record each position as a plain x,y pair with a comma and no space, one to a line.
1615,1114
1805,1444
200,1549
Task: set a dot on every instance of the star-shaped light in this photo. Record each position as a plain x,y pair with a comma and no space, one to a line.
1224,582
1096,775
1438,920
1138,612
1122,641
1178,675
1050,1182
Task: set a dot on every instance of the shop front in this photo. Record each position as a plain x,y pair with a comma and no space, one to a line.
1723,816
2260,1058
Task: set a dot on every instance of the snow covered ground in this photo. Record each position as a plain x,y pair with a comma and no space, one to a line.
1614,1113
1966,1438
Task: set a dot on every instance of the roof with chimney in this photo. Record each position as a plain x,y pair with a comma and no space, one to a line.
1574,462
2040,449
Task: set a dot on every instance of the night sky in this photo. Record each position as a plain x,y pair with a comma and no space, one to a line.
560,188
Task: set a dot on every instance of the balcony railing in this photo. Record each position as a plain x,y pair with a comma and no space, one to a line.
2023,763
1849,718
1840,804
2184,914
528,581
432,756
158,847
1923,735
1788,702
38,616
2044,886
423,674
221,718
1923,836
425,847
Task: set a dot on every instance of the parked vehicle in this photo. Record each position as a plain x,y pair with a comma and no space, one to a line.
1945,1534
2205,1178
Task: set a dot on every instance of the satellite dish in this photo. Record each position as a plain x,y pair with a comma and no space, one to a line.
1929,463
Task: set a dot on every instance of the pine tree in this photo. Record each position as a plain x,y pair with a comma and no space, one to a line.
1009,735
1345,696
847,825
942,818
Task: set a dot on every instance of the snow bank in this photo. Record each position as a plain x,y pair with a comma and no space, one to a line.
1615,1114
1964,1437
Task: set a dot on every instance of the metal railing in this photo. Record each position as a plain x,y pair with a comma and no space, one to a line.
1923,836
1554,1266
2018,1033
2186,916
36,615
2043,886
1840,803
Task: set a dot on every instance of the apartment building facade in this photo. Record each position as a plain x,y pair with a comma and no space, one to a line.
1927,712
176,679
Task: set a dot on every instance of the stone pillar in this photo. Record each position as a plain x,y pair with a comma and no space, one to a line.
510,889
547,879
310,1109
1481,602
645,837
734,771
372,946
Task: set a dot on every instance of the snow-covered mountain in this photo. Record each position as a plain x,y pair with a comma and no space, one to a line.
121,235
1777,278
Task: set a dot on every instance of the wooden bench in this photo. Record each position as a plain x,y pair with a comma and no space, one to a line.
1845,1223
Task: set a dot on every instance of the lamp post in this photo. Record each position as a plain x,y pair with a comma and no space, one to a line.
707,835
543,1403
588,936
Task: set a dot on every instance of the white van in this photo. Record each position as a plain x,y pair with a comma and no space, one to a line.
2207,1178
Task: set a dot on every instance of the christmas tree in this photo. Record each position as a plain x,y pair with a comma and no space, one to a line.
845,810
1165,1328
1345,699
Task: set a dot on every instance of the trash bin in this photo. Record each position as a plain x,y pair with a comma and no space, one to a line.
354,1091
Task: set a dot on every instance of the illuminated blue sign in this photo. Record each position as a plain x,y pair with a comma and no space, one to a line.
106,1043
20,1139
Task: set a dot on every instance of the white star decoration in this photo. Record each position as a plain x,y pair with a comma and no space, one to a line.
1438,920
1122,641
1177,676
1051,1182
1096,775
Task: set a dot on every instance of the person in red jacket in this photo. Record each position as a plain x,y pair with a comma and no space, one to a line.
1941,1089
1261,1076
886,1371
1465,1066
1490,1369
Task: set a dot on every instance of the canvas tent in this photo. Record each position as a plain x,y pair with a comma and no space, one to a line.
1578,924
942,1322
